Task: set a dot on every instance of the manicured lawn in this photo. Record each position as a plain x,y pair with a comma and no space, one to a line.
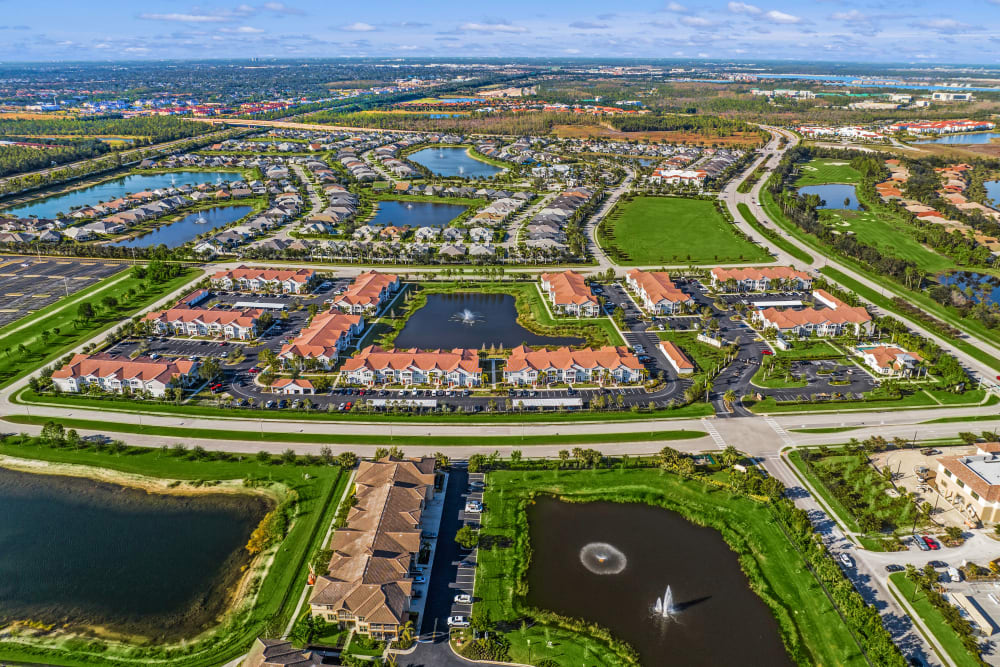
814,348
884,230
318,487
854,490
825,429
772,236
914,400
924,302
806,616
116,404
705,356
675,230
532,313
58,331
827,170
345,439
933,620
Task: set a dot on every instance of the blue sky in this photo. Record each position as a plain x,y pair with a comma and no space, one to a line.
966,31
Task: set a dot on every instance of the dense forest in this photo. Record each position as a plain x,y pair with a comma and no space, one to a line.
17,159
144,130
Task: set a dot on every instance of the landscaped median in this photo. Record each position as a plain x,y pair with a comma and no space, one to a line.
822,620
428,441
305,489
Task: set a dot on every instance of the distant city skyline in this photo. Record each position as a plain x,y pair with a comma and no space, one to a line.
834,30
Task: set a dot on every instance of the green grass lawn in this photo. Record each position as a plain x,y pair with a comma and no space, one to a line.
885,231
821,170
705,356
345,439
928,305
319,487
812,348
839,476
532,313
41,341
113,404
806,616
772,236
933,620
674,230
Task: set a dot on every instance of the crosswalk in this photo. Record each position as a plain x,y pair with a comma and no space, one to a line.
782,433
714,432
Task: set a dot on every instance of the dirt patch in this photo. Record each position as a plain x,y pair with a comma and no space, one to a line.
672,137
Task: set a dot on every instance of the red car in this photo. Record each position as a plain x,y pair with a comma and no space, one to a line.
766,352
253,371
931,543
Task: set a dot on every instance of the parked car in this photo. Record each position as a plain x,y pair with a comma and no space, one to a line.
892,567
846,560
474,507
458,621
920,543
766,353
463,599
932,544
954,575
937,564
419,579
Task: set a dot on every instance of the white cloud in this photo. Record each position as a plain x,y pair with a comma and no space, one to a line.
588,25
185,18
852,16
571,51
782,17
243,30
676,7
492,27
359,26
743,8
696,22
946,25
280,8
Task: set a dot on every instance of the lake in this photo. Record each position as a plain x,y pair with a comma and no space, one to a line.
719,621
187,228
992,192
967,138
415,213
115,188
833,195
453,162
983,285
470,320
92,554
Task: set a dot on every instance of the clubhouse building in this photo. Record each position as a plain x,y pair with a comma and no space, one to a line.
973,482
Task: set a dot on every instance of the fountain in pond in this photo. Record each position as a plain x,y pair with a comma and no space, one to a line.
218,180
602,558
665,606
201,219
461,170
173,179
466,316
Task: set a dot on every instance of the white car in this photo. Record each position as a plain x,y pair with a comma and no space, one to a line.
463,599
474,507
846,560
458,622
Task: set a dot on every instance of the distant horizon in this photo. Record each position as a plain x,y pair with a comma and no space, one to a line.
827,31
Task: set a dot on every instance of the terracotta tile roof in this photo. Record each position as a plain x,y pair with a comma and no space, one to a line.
837,312
375,358
281,383
658,286
887,356
569,287
243,318
123,368
320,338
676,354
563,358
367,289
281,275
755,273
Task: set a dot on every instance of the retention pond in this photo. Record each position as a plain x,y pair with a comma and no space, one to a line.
93,555
611,563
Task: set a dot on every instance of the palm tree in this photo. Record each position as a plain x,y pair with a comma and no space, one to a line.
406,632
729,397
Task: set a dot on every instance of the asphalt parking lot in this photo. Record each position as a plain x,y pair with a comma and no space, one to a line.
29,283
